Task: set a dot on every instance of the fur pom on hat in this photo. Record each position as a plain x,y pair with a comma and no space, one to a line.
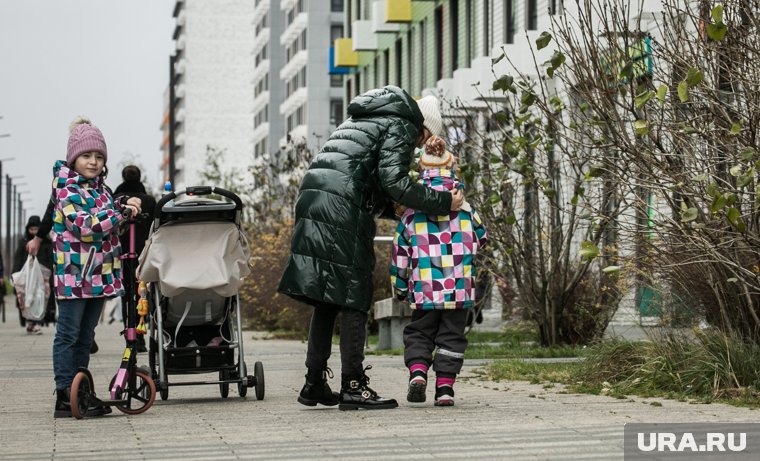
84,137
435,155
432,114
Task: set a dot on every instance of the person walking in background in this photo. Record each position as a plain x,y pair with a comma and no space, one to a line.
132,186
86,244
45,257
358,174
432,267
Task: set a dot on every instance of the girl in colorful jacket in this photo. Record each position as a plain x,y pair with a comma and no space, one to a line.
433,268
86,253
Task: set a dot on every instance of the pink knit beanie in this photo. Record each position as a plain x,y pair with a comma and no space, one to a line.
84,137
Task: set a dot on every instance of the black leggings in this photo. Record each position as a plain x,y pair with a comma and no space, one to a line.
353,334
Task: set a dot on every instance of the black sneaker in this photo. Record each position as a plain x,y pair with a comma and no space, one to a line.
62,404
355,393
417,386
444,396
94,347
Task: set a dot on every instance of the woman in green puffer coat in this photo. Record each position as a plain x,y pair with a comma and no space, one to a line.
361,170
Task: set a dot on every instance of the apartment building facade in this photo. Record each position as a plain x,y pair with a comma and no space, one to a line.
450,48
249,79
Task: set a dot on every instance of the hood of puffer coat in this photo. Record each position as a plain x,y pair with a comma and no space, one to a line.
390,100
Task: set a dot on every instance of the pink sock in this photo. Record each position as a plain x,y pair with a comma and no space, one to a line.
418,367
439,381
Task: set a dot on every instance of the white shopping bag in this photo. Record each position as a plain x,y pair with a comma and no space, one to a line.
32,289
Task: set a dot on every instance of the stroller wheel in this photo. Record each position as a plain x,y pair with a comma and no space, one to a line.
243,387
164,391
224,388
258,378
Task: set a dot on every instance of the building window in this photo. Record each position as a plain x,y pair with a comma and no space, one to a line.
336,6
409,59
532,14
487,25
260,148
377,71
387,66
296,82
438,50
262,55
297,118
468,31
336,111
398,55
261,86
262,24
423,54
336,80
454,19
336,32
509,21
262,116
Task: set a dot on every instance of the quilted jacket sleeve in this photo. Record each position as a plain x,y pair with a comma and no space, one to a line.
401,254
84,222
393,169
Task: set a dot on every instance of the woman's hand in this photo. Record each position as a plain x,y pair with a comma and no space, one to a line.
33,246
457,199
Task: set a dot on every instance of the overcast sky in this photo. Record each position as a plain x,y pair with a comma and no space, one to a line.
106,59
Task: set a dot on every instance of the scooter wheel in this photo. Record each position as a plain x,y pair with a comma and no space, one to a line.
142,396
81,390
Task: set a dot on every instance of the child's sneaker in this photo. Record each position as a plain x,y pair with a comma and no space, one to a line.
417,386
444,396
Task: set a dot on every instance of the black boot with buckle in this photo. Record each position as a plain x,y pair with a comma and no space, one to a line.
316,390
355,393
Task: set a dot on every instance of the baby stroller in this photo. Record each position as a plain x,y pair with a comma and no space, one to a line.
194,260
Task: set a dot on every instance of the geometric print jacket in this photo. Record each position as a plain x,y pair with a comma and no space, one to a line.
432,259
85,236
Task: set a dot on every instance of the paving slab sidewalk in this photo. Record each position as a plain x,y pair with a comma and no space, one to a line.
491,421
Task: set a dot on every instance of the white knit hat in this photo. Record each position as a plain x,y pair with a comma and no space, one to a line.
432,114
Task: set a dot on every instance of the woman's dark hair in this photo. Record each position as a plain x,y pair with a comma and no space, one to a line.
131,173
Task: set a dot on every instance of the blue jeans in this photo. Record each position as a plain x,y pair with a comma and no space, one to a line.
74,334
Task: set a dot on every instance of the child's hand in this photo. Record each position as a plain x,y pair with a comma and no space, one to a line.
133,211
135,202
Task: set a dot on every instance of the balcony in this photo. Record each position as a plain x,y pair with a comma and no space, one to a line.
294,29
345,56
333,69
296,100
364,39
379,24
398,11
295,64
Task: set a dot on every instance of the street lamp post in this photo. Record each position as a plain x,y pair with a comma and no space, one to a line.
8,159
13,217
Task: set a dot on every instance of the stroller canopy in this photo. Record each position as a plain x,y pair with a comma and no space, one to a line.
198,256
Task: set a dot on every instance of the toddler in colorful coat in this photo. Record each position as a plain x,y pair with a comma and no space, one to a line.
433,268
86,254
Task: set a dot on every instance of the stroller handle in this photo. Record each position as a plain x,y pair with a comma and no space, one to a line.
201,190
